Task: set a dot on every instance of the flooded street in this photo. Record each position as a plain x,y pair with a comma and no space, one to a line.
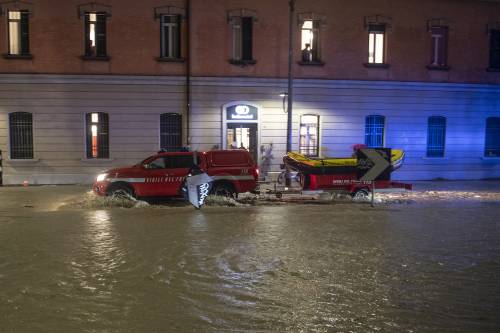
430,266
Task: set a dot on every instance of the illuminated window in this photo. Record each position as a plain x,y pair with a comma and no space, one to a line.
310,41
495,48
97,131
436,136
309,133
242,38
18,32
170,36
439,47
376,44
374,131
492,145
21,135
170,131
95,34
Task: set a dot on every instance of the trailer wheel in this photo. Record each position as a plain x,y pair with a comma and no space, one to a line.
224,190
361,194
279,195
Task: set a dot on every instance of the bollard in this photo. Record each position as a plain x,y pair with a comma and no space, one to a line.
373,193
1,180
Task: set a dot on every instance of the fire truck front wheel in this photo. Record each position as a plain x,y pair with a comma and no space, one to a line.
224,189
120,189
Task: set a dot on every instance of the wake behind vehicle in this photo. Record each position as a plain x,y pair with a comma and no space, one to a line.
163,174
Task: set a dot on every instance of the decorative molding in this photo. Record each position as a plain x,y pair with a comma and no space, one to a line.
93,7
378,19
169,10
16,5
241,12
302,17
440,22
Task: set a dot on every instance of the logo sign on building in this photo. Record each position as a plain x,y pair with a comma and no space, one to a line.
242,112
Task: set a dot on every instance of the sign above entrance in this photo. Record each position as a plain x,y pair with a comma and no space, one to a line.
242,112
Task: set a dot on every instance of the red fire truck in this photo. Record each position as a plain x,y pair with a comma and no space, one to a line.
163,174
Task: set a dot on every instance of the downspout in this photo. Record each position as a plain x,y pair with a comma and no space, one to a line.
188,70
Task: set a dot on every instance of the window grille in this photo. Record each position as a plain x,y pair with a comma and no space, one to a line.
21,135
309,134
97,132
436,136
374,131
170,36
170,131
492,145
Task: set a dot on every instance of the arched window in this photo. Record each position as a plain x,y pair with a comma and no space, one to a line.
170,131
492,144
436,136
374,131
21,135
309,134
97,132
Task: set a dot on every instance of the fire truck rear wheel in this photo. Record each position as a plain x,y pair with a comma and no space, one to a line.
119,189
361,194
224,190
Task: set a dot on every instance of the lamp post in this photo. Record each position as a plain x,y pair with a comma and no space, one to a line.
291,4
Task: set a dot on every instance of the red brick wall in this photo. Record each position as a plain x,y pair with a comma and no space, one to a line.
133,39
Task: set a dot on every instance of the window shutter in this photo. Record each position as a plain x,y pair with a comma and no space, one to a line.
246,27
177,35
25,42
88,121
103,136
315,46
88,50
100,35
443,47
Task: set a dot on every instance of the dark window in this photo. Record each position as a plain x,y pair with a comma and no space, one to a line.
172,162
436,136
309,133
495,48
21,135
374,131
95,34
18,33
376,44
310,41
97,132
170,131
492,146
439,46
170,36
242,38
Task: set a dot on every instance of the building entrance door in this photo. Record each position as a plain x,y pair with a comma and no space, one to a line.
242,136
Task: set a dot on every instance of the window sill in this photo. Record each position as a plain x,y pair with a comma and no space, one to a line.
165,59
94,58
493,69
20,160
18,56
438,68
242,62
97,160
370,65
444,158
311,63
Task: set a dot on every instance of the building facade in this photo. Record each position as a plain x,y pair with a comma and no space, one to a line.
85,86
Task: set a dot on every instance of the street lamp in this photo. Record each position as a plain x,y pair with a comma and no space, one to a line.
284,95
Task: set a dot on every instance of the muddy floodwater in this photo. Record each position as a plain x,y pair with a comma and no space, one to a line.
430,266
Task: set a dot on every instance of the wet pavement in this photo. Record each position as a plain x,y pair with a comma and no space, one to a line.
427,261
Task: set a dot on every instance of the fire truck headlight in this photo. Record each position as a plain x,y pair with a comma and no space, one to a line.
101,177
